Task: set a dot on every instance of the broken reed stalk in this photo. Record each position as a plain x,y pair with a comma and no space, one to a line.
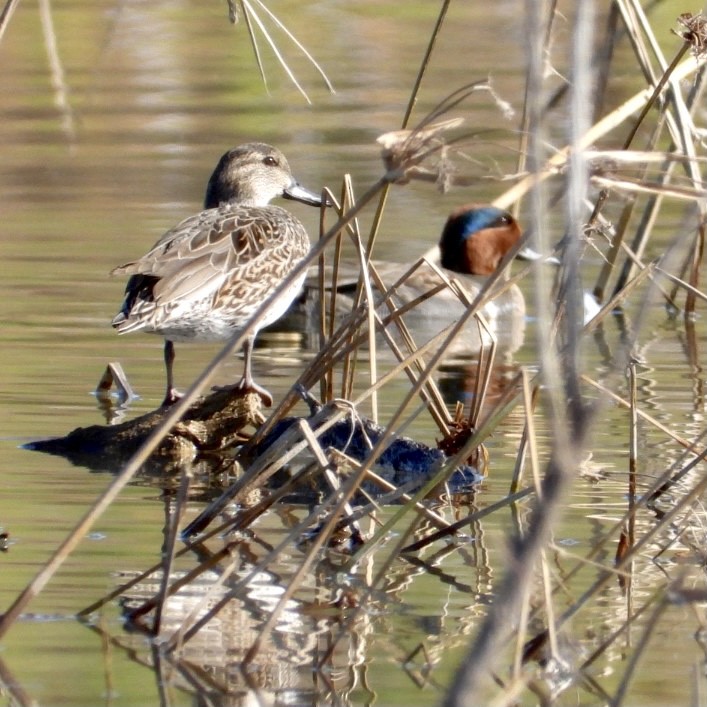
680,124
608,573
664,483
641,413
328,508
378,216
327,380
626,557
640,238
445,533
601,649
293,585
696,253
633,447
650,214
529,436
247,516
367,288
339,501
529,400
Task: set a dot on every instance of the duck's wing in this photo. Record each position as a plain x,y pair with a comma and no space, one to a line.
217,246
204,248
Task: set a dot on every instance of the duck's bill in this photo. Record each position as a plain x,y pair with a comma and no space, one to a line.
530,254
299,193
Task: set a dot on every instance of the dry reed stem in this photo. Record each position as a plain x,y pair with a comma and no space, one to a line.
339,501
58,80
607,572
567,418
395,493
680,127
393,521
13,688
329,509
642,414
634,552
368,289
434,35
368,594
608,123
529,401
251,17
320,539
660,485
474,517
300,573
187,629
7,11
529,437
637,652
618,632
378,216
245,518
169,549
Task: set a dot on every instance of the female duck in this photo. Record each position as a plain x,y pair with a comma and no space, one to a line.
206,277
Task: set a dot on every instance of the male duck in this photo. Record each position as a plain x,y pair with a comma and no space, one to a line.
205,278
474,241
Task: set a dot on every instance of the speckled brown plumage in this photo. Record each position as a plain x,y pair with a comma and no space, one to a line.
207,276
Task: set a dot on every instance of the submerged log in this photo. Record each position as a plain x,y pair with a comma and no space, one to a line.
214,428
404,461
403,467
213,425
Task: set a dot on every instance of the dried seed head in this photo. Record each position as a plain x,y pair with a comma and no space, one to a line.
405,149
693,30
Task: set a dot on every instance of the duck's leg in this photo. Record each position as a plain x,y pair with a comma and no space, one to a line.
172,395
247,383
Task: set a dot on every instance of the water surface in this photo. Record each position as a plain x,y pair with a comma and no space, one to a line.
104,151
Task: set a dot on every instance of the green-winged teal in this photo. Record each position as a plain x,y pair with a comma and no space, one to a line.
474,241
206,277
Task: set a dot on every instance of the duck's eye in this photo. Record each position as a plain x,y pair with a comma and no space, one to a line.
270,161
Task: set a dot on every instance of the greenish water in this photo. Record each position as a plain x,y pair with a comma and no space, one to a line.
93,172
